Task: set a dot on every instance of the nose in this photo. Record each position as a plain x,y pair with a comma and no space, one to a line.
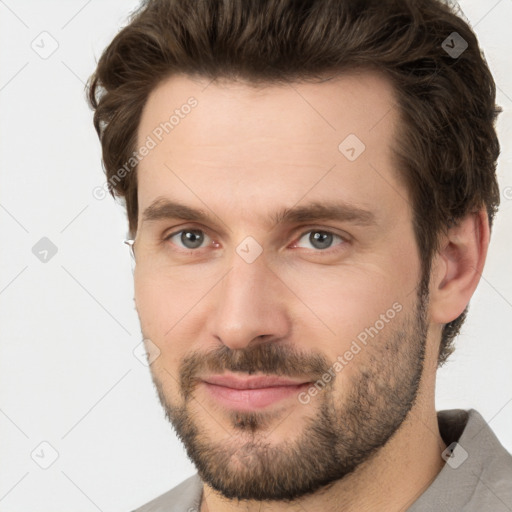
250,304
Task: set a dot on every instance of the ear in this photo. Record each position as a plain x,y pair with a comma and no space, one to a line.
458,266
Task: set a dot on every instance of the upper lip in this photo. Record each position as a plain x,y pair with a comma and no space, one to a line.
264,381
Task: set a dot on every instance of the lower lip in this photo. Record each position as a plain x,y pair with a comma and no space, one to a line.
250,399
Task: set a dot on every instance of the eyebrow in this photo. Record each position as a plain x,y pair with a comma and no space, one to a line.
162,209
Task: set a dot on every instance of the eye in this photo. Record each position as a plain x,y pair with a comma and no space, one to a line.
188,238
319,239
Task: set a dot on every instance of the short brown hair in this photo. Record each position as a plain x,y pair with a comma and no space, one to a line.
447,149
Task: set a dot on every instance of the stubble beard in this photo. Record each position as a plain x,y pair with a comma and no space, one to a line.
335,438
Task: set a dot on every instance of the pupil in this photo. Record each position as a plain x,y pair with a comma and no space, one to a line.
192,239
320,240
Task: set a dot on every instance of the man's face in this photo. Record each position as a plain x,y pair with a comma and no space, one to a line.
300,262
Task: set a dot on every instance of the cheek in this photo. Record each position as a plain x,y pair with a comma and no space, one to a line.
156,316
344,301
363,316
162,299
150,303
170,315
162,314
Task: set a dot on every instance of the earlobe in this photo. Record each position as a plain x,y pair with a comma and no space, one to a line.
458,266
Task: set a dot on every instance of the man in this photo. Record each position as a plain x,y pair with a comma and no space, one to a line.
310,188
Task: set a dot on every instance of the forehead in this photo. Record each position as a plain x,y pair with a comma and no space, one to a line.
274,142
357,101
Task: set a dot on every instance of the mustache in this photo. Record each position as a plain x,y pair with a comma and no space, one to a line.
271,358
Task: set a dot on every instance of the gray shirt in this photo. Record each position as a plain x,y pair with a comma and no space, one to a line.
477,475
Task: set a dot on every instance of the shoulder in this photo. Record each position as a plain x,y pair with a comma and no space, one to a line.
492,465
477,475
185,497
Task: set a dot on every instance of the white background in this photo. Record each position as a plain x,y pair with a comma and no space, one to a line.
68,326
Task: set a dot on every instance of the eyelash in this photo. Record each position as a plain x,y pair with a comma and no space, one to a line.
330,250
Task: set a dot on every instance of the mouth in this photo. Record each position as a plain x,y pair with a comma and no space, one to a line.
252,393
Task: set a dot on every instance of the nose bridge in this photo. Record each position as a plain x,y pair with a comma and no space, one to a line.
246,281
249,304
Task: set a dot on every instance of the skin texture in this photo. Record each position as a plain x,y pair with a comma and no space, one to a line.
369,440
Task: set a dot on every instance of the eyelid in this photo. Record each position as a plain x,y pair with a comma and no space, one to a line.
331,231
187,227
166,237
303,230
344,237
